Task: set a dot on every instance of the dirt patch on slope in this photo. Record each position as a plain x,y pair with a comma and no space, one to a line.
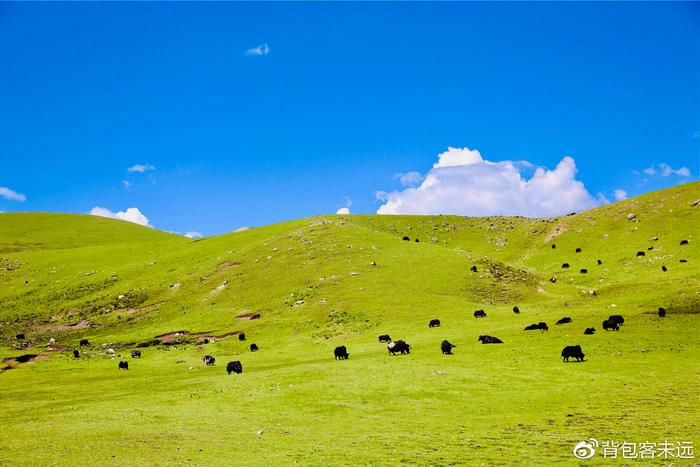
172,336
228,265
222,336
249,316
48,328
25,358
556,231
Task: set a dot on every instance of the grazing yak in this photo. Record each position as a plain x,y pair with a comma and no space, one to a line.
609,324
664,268
341,353
123,365
19,337
583,271
473,268
401,347
640,253
479,314
434,323
565,266
564,320
234,367
662,312
490,340
578,250
446,347
572,351
684,242
84,343
135,354
599,262
683,260
618,319
384,338
542,326
554,245
553,280
76,354
253,347
241,336
516,310
589,331
406,239
208,360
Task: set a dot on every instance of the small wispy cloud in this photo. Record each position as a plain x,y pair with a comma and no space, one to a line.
140,168
261,50
193,234
126,184
409,179
664,170
11,194
620,194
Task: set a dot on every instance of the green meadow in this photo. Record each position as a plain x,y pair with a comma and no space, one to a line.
336,280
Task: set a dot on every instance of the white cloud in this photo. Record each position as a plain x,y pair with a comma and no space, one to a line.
141,168
462,182
130,215
620,194
409,178
242,229
193,234
602,199
261,50
126,184
346,208
11,194
665,170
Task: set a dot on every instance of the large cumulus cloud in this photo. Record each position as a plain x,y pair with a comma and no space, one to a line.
462,182
130,215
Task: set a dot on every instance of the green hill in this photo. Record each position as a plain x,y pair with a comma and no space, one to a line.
343,280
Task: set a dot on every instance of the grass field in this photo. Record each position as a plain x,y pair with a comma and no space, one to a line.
343,280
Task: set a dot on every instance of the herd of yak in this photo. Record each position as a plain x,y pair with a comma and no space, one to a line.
401,347
394,347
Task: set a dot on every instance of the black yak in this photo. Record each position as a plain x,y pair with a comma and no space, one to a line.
572,351
401,347
446,347
490,340
341,353
234,367
208,360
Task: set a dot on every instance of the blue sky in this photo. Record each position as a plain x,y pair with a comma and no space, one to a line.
336,102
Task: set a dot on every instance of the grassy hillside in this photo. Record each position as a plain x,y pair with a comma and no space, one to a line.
343,280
